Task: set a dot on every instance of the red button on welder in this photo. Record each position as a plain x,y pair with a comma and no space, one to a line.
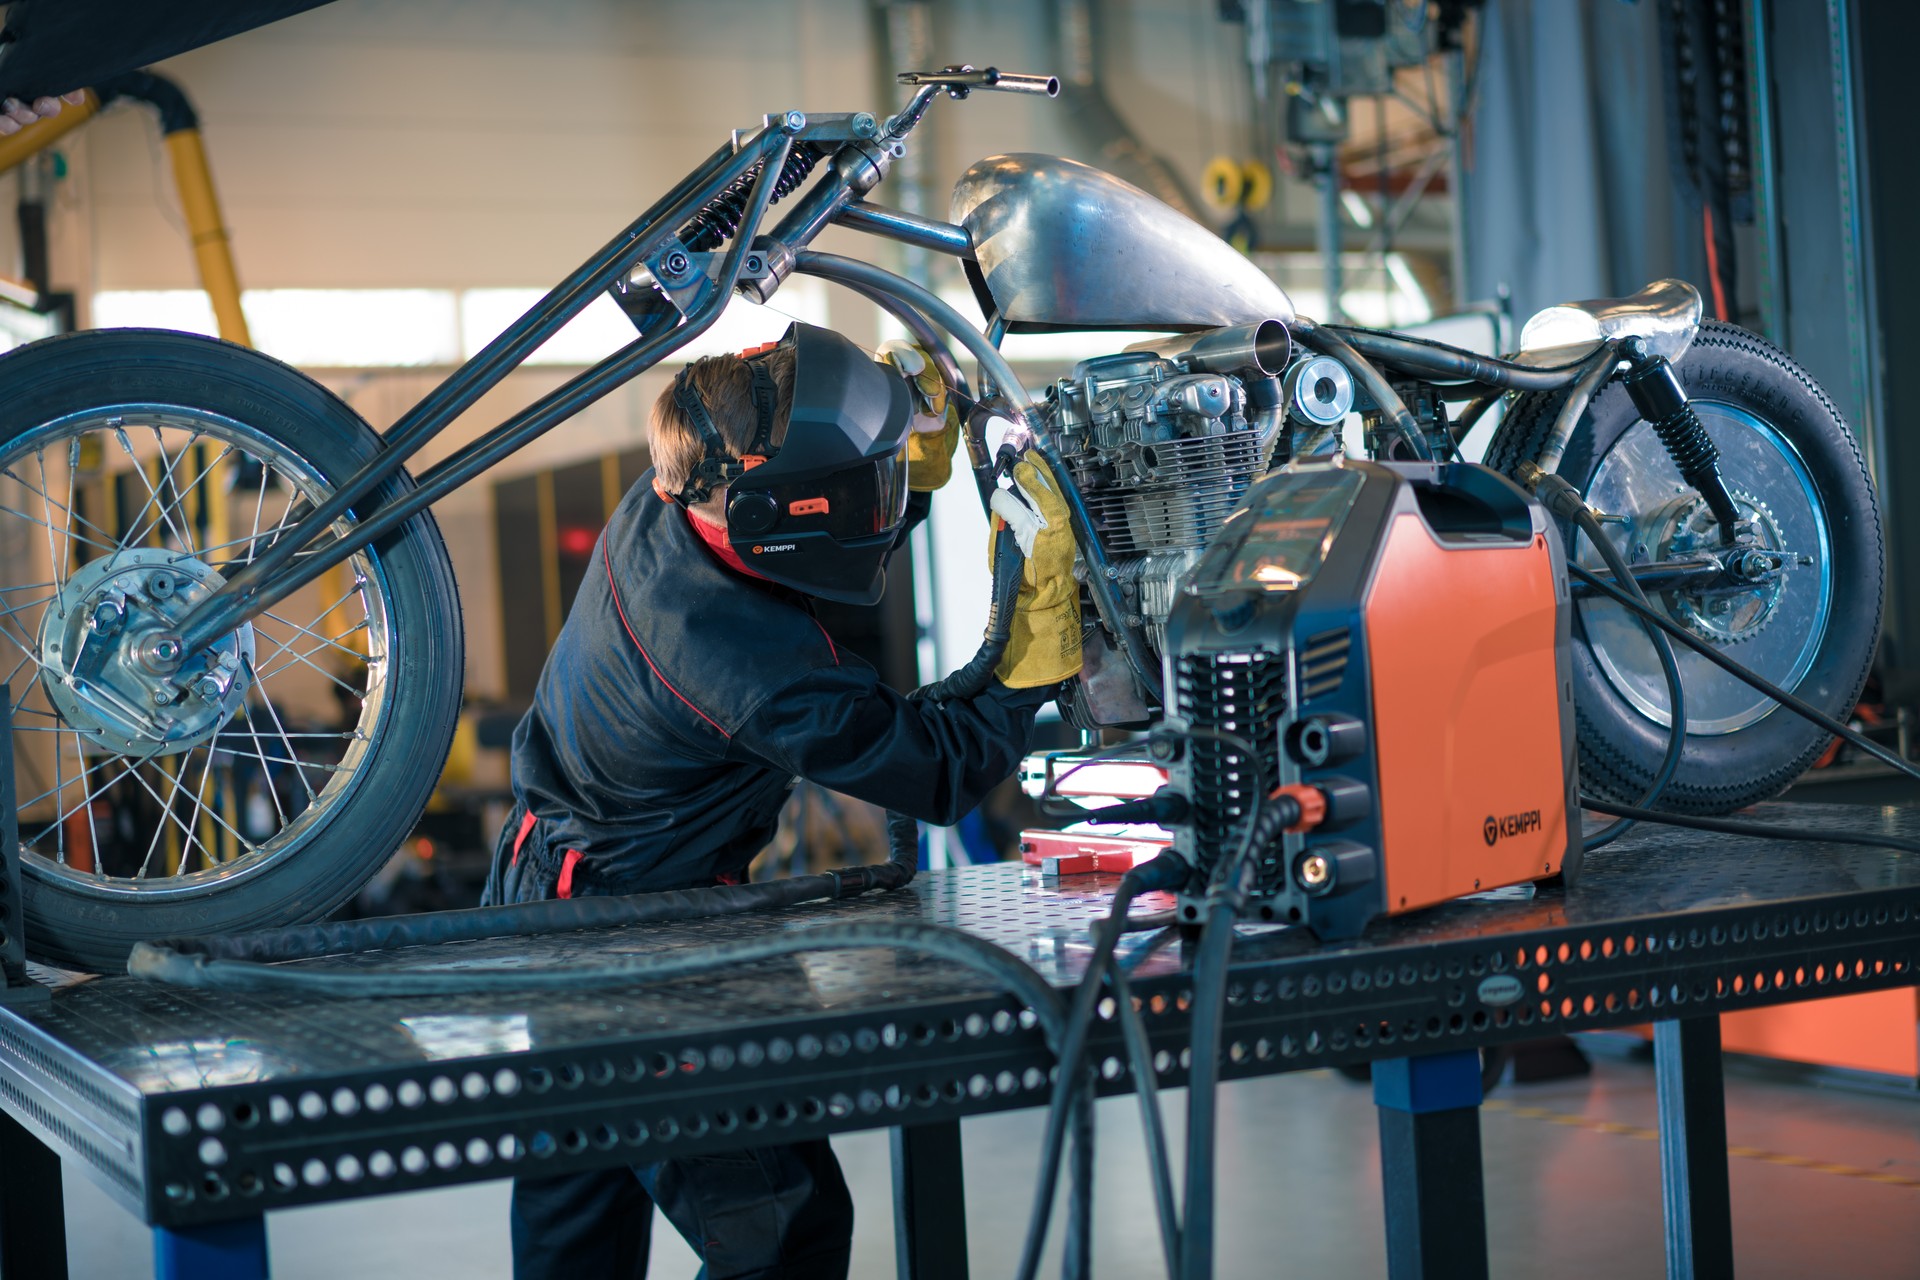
808,507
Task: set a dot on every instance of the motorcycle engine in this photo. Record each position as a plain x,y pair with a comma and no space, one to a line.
1163,440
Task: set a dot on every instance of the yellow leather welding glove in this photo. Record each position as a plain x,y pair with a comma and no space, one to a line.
1044,647
935,428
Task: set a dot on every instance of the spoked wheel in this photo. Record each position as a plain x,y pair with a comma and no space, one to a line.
259,783
1797,478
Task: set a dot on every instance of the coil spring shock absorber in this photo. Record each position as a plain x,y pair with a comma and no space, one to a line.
716,223
1657,394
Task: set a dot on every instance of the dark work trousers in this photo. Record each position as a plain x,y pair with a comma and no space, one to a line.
768,1213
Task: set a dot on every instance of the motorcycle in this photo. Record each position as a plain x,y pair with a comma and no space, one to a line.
199,538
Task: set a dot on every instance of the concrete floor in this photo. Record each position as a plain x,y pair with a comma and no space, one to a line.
1825,1182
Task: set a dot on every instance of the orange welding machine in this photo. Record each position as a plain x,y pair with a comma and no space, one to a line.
1387,643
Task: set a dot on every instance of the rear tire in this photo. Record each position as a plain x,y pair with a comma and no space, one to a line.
1771,421
328,806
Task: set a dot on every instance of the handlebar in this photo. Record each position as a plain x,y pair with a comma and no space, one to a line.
962,80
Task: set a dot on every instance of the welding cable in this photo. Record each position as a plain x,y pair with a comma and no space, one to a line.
1049,798
1165,872
1146,1090
1226,898
1753,678
1765,830
1562,499
971,680
1203,1076
1076,1261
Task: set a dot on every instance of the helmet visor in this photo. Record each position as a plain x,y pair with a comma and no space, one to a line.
858,502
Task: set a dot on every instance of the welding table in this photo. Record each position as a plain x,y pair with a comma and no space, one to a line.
200,1112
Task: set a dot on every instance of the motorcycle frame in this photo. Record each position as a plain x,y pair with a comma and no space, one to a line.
695,298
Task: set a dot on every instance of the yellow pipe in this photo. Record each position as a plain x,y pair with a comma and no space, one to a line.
212,247
41,134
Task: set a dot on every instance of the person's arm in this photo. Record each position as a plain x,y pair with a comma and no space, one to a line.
843,729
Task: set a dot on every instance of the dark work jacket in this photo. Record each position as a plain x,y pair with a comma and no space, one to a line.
683,700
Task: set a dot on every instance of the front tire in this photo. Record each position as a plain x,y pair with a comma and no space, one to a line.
138,470
1796,470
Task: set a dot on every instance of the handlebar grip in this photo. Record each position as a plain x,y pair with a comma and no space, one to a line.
1018,82
961,80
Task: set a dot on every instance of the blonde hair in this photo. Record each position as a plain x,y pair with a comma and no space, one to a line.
725,385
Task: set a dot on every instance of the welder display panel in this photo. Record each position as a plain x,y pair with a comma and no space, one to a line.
1283,532
1461,646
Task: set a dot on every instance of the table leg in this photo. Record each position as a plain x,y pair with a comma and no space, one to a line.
33,1218
218,1251
1693,1149
929,1202
1430,1166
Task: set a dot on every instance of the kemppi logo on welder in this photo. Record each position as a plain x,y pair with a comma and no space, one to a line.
772,547
1514,824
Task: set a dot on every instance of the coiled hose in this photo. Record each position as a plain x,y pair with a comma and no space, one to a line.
971,680
715,224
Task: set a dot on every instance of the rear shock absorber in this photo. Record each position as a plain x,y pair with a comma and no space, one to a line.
1658,396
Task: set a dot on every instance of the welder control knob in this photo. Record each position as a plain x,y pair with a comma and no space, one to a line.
752,513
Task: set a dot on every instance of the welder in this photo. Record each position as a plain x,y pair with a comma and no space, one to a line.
692,687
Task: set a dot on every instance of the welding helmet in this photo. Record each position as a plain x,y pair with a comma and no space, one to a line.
820,513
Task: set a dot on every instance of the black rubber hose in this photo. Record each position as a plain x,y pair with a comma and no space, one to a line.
1168,871
1431,359
1563,500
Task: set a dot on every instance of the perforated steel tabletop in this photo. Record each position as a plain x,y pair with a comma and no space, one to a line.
193,1106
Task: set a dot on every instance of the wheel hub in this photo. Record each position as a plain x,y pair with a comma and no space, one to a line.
1721,615
104,649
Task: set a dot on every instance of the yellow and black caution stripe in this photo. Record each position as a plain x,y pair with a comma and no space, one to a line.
1761,1154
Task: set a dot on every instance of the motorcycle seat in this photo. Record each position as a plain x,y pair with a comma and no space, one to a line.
1666,314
